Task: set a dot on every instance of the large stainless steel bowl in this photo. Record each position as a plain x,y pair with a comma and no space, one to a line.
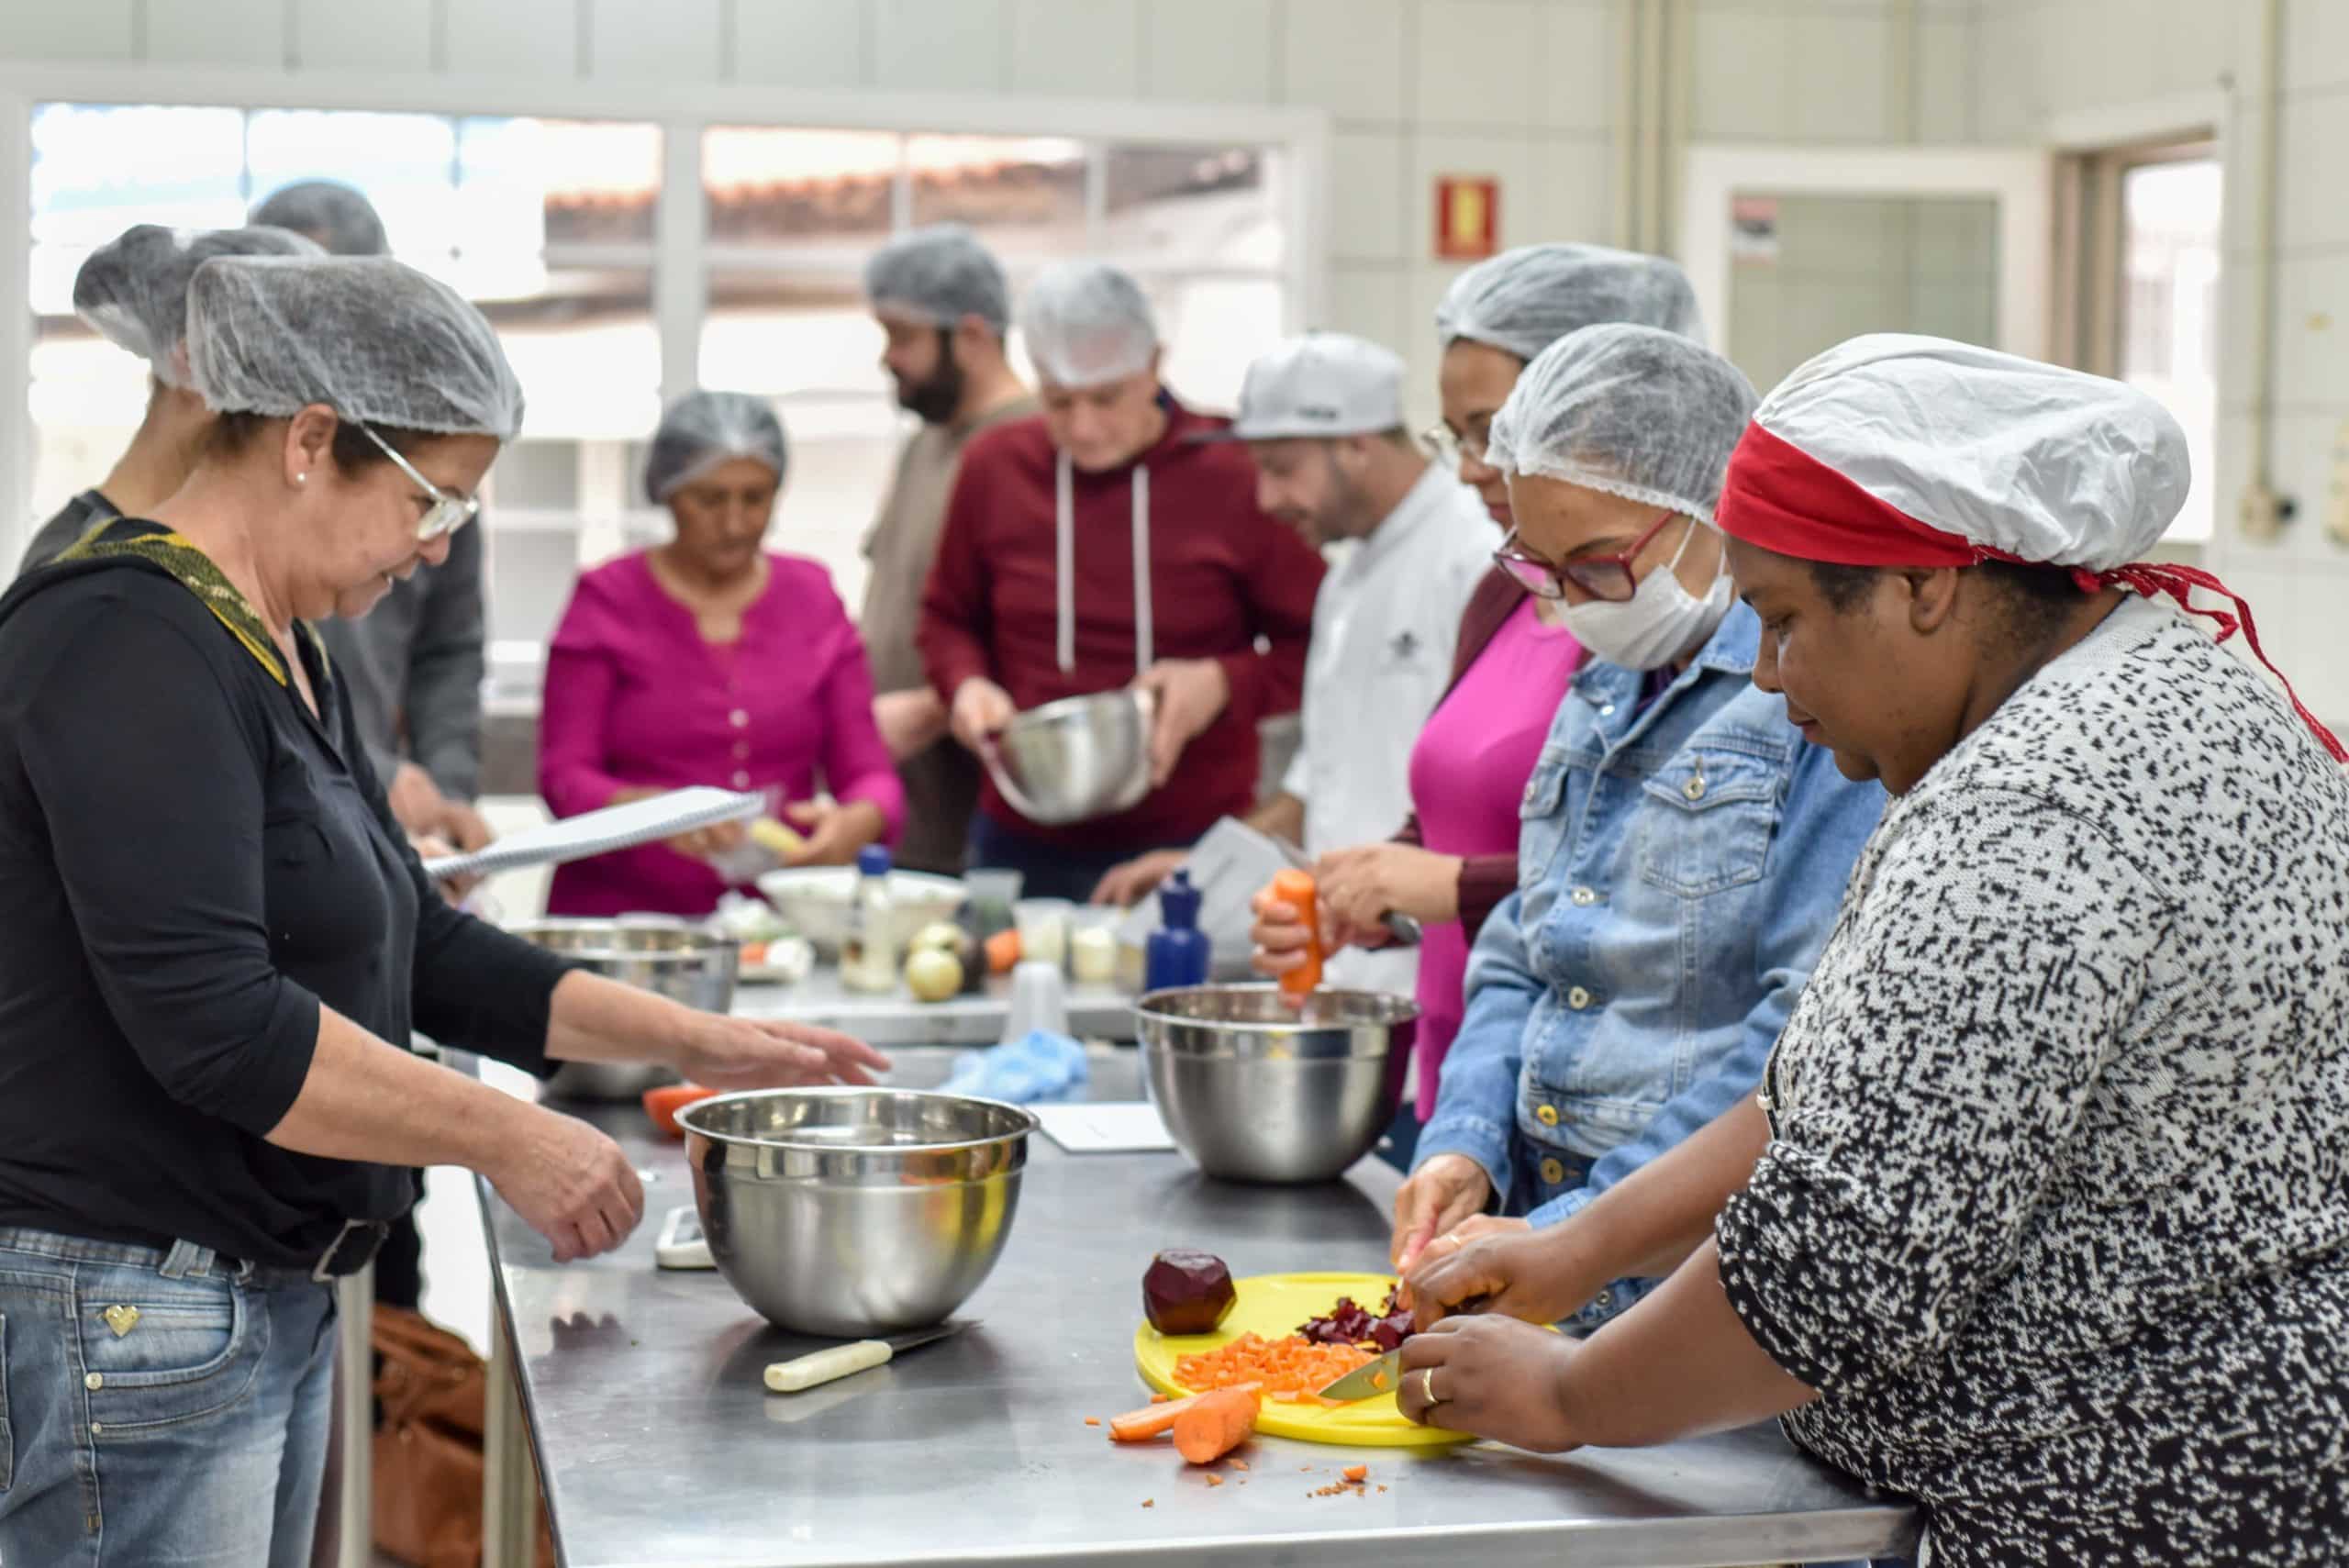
671,958
854,1212
1256,1090
1075,759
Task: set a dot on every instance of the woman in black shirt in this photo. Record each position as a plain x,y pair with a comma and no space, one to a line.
217,942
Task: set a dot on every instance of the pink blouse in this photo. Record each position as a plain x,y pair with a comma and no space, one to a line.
1469,775
636,698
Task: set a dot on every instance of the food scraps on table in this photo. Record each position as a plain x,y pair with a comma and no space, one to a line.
1185,1290
1349,1323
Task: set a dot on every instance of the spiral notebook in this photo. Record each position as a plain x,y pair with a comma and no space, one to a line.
601,833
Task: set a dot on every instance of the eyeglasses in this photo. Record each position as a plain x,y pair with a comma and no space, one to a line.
447,514
1448,449
1605,577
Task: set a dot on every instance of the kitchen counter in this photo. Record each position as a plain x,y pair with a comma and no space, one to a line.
658,1445
1095,1012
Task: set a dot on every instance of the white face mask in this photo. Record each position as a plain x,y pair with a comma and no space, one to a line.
1661,620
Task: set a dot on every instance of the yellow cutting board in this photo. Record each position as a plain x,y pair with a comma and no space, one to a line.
1271,1307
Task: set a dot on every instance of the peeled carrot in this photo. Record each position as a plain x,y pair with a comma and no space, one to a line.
1141,1426
1159,1413
1214,1424
1003,953
1356,1472
663,1104
1296,889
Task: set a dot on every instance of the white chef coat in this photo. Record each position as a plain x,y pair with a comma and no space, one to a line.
1385,626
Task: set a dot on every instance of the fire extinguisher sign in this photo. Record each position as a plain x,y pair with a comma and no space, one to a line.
1467,216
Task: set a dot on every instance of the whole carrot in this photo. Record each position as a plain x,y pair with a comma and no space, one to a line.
1296,889
1214,1424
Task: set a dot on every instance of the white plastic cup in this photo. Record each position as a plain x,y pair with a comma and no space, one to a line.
1039,1001
1042,924
1093,945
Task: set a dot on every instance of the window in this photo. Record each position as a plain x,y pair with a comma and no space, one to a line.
553,226
2142,239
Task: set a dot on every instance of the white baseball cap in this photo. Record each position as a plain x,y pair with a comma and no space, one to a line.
1324,384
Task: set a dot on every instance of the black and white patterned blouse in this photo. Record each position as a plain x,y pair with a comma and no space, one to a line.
2055,1215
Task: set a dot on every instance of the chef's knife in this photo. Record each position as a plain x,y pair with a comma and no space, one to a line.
1366,1381
812,1371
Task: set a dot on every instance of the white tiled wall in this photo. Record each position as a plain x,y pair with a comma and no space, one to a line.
2043,58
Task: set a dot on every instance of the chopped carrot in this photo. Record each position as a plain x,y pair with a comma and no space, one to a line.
1215,1480
1239,1465
1292,1365
1092,1420
1356,1472
1150,1502
1158,1399
1215,1424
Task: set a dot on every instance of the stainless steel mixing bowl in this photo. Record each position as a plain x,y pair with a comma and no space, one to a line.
1256,1090
853,1212
671,958
1075,759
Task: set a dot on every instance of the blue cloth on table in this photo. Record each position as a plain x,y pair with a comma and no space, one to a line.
1041,1067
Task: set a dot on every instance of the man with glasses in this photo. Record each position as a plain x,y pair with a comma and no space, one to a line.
1682,854
414,666
1322,417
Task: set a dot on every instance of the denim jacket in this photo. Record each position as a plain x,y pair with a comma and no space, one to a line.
1679,867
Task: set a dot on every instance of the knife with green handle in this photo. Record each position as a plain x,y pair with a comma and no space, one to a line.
814,1370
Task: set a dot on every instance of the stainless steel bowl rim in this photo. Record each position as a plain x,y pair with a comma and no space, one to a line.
1062,709
699,940
691,1119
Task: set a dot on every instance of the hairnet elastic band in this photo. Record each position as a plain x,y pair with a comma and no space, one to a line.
1606,484
1780,498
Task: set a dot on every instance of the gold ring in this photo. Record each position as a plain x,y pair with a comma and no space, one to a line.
1427,1385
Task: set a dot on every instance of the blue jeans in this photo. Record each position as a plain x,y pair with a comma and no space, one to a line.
159,1409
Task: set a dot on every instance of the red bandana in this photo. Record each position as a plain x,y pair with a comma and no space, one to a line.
1780,498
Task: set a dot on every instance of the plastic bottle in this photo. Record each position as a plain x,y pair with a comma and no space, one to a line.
1178,951
1296,889
869,955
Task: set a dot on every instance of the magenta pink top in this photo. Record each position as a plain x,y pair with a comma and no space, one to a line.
1469,775
636,698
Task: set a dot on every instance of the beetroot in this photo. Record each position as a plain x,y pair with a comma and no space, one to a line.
1186,1292
1349,1323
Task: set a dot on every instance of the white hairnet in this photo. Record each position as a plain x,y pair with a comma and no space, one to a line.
1633,411
340,218
941,273
133,290
2033,461
370,338
1087,324
703,431
1524,300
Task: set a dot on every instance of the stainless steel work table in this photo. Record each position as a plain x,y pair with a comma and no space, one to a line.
1095,1012
658,1445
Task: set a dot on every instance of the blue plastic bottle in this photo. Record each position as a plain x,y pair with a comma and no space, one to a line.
1178,950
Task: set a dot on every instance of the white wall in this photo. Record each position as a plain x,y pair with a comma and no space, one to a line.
1526,90
2044,62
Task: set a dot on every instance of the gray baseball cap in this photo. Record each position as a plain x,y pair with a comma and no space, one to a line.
1322,384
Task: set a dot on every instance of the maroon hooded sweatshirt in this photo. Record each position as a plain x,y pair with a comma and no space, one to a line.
1223,577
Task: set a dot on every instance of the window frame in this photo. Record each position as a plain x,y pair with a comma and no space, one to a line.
681,254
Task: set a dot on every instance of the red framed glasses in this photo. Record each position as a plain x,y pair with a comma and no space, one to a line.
1605,577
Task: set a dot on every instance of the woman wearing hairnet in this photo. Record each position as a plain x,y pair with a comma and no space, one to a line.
1456,858
218,942
133,293
1681,853
710,661
2039,1217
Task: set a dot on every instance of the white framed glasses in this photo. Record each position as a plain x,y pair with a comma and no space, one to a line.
447,514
